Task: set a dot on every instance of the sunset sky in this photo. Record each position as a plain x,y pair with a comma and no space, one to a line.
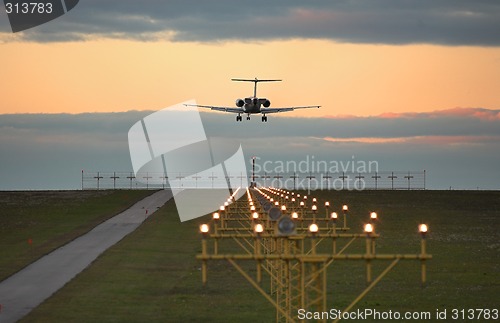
357,58
397,60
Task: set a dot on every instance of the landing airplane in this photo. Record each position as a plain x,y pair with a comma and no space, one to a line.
252,104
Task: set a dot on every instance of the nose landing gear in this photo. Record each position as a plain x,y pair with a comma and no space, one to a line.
264,119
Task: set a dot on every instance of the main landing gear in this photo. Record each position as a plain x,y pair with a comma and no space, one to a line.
264,119
238,118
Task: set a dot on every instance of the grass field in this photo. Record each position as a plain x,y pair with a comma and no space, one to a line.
50,219
152,274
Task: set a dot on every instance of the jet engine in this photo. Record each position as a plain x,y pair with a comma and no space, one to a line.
266,103
240,103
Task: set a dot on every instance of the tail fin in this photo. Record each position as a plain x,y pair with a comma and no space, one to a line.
256,80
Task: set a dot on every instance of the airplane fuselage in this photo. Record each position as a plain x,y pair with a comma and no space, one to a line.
253,105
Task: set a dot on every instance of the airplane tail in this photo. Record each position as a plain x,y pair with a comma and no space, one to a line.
256,80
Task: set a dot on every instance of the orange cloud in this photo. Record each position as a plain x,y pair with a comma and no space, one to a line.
478,113
431,140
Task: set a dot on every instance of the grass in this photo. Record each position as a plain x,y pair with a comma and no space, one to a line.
152,274
50,219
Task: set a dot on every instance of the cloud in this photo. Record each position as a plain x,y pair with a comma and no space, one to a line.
449,22
477,113
421,140
48,151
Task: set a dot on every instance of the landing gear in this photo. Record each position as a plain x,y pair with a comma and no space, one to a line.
264,119
238,118
248,117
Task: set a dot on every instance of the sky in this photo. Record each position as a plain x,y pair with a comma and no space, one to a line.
413,84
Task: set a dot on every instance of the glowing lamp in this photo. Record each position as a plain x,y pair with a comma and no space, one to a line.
258,228
204,228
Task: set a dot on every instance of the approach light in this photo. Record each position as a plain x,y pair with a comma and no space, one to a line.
255,215
295,215
293,199
226,204
258,228
314,200
302,203
314,208
313,228
286,226
252,208
274,214
327,204
305,197
216,216
298,195
368,228
334,216
373,215
276,203
422,228
204,228
283,208
251,203
345,208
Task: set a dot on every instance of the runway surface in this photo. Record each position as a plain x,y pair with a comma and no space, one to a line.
25,290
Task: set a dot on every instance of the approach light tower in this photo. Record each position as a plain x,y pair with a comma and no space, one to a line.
253,184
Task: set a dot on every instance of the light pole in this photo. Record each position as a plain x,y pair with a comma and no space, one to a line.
313,229
345,209
258,229
333,218
369,231
314,209
204,229
423,229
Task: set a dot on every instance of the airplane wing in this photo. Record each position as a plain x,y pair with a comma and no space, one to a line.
287,109
223,109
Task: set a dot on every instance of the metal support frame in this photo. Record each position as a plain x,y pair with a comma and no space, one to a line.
296,264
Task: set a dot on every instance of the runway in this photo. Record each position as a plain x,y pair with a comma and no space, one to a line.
25,290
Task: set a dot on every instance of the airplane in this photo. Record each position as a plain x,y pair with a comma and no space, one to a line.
252,104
